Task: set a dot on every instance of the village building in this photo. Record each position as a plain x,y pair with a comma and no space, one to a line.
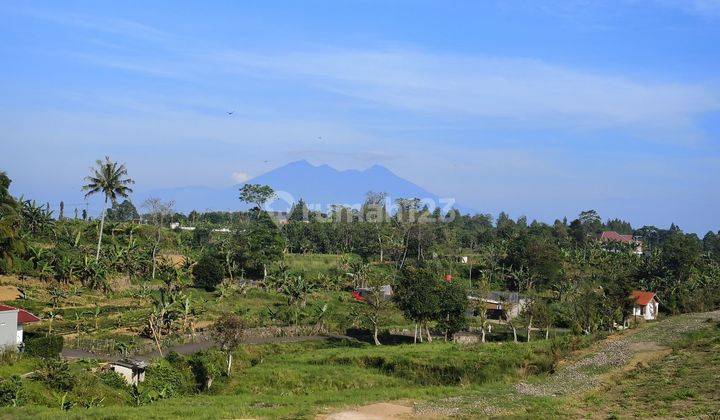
499,305
132,370
386,292
646,305
614,237
12,321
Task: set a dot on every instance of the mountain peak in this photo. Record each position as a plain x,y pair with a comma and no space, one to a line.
319,186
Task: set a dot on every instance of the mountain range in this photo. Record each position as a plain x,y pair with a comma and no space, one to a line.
319,186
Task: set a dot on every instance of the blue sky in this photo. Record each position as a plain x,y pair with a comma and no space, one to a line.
538,108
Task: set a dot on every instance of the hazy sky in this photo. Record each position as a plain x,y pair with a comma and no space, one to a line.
539,108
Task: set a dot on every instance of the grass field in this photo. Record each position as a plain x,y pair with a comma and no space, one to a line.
686,383
302,379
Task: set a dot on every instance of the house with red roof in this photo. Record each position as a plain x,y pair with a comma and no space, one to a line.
611,236
647,304
12,321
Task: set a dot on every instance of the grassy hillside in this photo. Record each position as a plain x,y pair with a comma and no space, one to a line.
300,379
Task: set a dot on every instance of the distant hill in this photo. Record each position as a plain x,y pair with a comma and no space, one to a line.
319,186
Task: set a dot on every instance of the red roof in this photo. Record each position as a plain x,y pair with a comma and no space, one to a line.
642,298
616,237
24,317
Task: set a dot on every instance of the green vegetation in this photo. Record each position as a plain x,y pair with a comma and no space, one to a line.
130,285
683,384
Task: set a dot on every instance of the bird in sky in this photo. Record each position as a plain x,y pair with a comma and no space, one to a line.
230,112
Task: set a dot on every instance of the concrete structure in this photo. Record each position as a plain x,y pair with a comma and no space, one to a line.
132,370
11,326
647,305
498,305
386,292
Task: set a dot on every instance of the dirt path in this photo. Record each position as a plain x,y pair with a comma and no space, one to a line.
377,411
588,370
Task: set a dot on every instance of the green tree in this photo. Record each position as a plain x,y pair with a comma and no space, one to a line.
416,296
158,212
228,332
256,194
122,212
451,313
208,272
375,304
299,212
260,244
110,179
10,223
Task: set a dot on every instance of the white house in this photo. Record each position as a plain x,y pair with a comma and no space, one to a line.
132,370
11,325
646,304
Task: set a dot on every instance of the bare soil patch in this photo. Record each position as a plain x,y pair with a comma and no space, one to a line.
373,412
8,293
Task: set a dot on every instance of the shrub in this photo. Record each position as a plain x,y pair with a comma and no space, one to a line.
163,380
8,356
113,379
206,367
56,374
208,272
43,346
11,392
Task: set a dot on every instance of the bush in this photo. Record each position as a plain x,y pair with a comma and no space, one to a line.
208,272
164,380
206,367
11,392
43,346
112,379
56,374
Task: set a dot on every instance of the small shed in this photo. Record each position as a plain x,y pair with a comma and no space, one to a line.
646,305
132,370
386,291
12,321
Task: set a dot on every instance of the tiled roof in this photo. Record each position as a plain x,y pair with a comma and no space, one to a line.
642,298
616,237
24,317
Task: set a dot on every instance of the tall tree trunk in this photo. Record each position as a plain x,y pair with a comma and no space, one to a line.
154,261
156,334
429,337
407,245
529,329
102,225
547,332
229,362
375,334
482,337
415,335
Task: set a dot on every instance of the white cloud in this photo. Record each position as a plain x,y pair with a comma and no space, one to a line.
512,90
240,177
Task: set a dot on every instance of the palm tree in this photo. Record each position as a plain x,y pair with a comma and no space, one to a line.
109,178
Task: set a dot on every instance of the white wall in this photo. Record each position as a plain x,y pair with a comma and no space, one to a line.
8,328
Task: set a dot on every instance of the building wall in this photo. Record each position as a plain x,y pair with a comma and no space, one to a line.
127,373
8,328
